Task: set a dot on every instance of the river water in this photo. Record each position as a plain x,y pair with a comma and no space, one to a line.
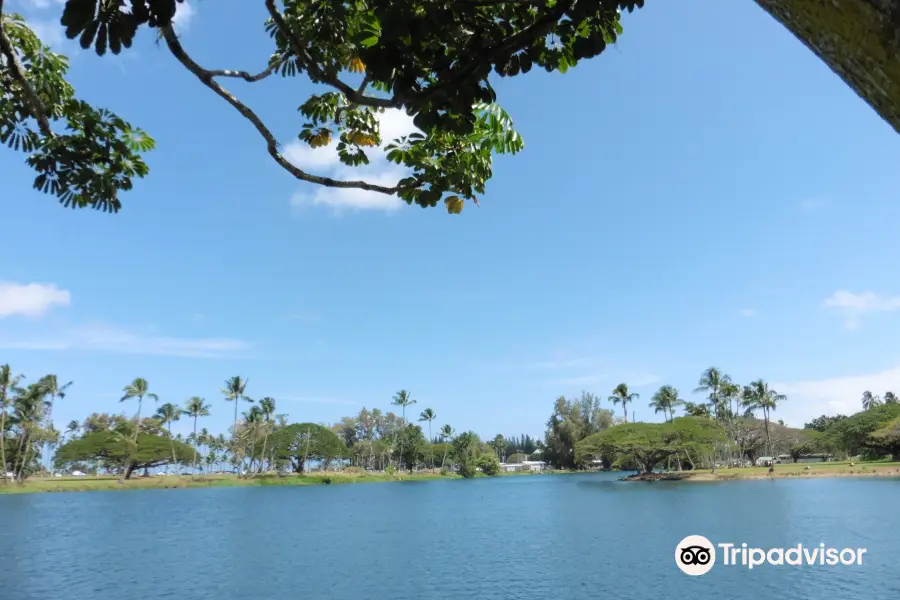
573,537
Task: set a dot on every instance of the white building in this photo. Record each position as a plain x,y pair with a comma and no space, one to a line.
525,465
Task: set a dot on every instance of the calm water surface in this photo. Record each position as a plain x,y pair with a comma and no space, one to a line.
578,537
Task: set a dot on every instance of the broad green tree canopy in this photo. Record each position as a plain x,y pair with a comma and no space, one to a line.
300,442
650,443
115,449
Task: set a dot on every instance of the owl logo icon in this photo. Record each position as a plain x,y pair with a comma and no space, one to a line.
695,555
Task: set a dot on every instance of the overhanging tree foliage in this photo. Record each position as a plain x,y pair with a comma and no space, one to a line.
429,58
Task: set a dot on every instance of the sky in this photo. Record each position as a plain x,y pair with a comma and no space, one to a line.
705,193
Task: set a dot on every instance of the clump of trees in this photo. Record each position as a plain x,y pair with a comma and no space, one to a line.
259,441
733,424
646,445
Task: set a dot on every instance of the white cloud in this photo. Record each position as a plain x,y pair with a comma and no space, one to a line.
305,157
30,299
353,199
836,395
748,312
99,337
184,15
50,32
324,161
852,306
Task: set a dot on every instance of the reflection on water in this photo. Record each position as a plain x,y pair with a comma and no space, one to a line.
577,537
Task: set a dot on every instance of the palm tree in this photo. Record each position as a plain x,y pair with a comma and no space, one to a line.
620,394
167,414
8,383
52,388
29,409
498,444
71,429
138,389
402,399
429,415
267,408
196,407
234,392
890,398
711,382
758,395
870,401
665,400
446,434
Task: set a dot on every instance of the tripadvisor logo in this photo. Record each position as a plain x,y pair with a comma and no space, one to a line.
696,555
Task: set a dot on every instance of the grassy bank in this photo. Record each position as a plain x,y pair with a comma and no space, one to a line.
86,484
799,470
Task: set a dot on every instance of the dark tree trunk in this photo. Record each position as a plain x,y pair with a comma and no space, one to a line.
857,39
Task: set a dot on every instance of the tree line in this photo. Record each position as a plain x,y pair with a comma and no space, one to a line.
260,440
731,425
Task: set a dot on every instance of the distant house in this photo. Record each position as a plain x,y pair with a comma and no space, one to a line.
766,461
525,465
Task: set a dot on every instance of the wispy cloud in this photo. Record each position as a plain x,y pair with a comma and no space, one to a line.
315,400
303,317
325,161
748,313
579,380
811,205
41,4
49,31
105,338
834,395
853,306
30,299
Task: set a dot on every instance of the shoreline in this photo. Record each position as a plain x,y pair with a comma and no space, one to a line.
38,485
788,471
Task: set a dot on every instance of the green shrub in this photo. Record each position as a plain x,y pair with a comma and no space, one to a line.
489,464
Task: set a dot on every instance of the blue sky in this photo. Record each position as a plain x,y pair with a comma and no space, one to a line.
705,193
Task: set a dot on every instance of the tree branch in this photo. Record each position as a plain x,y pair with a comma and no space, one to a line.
353,96
245,75
207,78
39,111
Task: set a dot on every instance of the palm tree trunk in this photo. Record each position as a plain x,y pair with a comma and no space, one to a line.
137,419
234,438
24,448
262,456
768,443
3,439
46,445
625,410
194,461
172,443
431,442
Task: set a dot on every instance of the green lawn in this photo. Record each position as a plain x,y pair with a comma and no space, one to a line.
818,469
88,483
